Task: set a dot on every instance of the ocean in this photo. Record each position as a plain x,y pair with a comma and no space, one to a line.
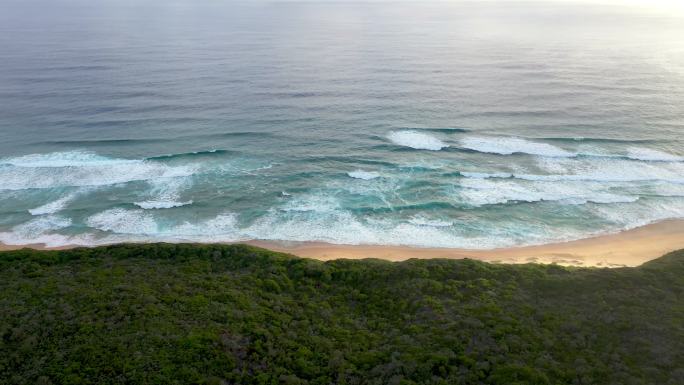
467,125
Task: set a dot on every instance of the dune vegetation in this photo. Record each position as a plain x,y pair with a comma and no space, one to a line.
235,314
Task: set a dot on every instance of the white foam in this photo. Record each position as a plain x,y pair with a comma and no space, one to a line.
648,154
326,221
423,162
512,145
633,153
628,216
417,140
80,169
506,145
161,204
478,192
375,191
223,227
320,217
341,227
165,194
423,221
607,170
594,170
312,202
337,226
664,189
49,240
124,222
54,206
38,230
63,159
43,224
484,175
365,175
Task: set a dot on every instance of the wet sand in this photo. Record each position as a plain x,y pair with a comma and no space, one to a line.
627,248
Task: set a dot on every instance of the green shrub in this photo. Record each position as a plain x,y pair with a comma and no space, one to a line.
235,314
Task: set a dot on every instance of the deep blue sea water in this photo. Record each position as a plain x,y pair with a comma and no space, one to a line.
451,124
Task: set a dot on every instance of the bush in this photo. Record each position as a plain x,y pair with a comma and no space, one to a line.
235,314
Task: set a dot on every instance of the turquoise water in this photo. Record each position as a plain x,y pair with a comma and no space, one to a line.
453,124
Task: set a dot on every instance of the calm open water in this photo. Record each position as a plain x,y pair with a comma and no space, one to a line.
454,124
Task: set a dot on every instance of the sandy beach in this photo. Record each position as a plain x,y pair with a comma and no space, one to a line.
628,248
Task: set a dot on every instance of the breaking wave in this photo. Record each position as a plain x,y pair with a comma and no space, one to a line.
191,155
511,145
406,203
365,175
54,206
595,170
166,193
478,192
416,140
505,145
81,168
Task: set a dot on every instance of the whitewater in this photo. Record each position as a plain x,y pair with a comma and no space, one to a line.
233,123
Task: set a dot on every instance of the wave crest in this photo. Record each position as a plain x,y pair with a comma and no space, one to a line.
647,154
512,145
161,204
506,145
365,175
479,192
417,140
79,169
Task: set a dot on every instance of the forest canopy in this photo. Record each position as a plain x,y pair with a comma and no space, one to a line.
235,314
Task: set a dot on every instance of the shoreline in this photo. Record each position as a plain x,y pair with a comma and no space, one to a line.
627,248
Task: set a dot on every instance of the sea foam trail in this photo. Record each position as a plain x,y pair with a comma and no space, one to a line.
80,168
327,221
193,154
165,194
41,229
478,192
387,210
63,159
161,204
589,177
365,175
223,227
54,206
505,145
648,154
511,145
423,221
417,140
607,170
124,221
43,224
594,170
59,204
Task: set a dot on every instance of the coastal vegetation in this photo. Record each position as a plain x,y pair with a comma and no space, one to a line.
235,314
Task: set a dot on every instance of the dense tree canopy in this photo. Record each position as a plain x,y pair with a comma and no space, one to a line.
234,314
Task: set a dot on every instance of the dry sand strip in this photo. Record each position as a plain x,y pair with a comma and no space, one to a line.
627,248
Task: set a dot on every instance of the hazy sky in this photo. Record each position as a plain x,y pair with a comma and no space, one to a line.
646,3
661,4
655,5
